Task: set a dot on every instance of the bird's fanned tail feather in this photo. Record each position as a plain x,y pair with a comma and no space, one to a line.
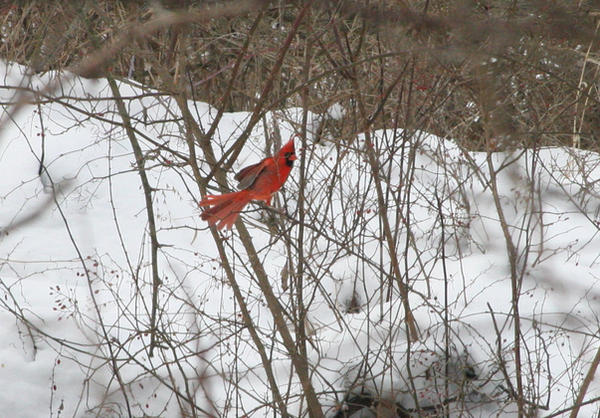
225,208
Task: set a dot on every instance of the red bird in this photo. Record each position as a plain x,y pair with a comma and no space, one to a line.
258,182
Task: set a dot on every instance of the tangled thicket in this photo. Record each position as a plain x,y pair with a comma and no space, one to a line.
490,74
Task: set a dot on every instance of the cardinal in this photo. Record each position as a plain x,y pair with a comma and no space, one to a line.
257,182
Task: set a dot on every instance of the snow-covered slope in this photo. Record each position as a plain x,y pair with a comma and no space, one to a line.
75,267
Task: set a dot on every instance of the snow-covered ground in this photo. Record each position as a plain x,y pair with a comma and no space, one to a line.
76,282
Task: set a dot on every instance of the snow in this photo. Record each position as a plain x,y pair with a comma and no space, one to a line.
78,272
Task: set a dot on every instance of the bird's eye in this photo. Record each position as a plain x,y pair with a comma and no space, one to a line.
288,154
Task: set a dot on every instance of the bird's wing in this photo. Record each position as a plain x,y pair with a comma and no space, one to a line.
247,175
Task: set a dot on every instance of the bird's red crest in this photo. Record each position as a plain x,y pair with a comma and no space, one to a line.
288,150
